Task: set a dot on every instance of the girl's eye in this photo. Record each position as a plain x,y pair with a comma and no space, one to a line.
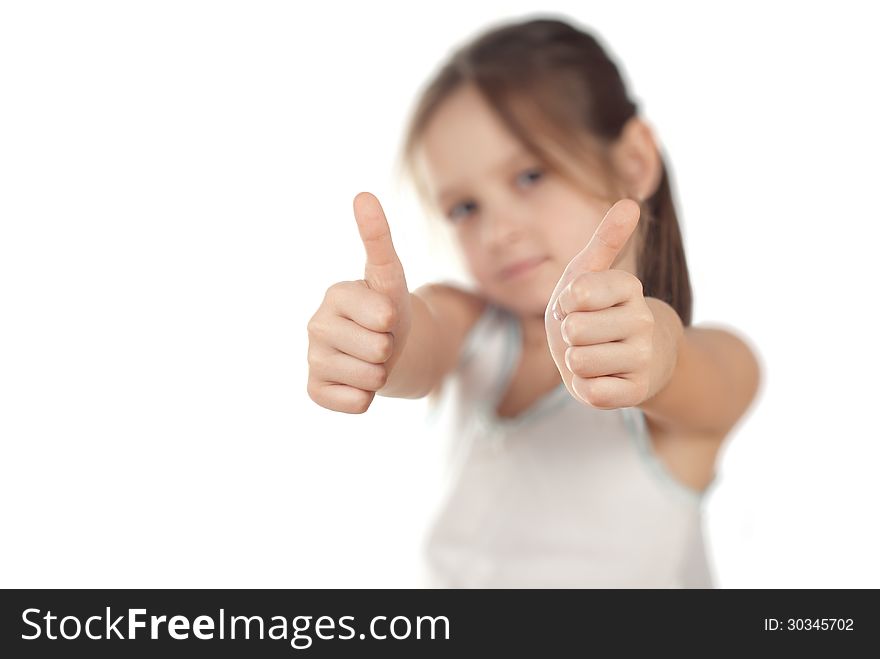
459,211
529,177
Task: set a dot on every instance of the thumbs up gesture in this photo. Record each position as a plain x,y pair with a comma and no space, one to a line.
599,327
359,331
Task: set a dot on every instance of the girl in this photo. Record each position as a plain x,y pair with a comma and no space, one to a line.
589,410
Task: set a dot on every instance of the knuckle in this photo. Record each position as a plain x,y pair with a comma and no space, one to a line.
379,376
332,290
384,347
361,401
345,399
311,358
337,291
312,390
387,314
320,395
580,289
313,327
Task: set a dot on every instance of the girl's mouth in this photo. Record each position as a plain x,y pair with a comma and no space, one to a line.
521,268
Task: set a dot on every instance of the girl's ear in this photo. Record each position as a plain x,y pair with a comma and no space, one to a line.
636,159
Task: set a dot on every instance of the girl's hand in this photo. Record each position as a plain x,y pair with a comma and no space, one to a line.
601,334
359,331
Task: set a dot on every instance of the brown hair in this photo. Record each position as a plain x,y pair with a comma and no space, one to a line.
557,91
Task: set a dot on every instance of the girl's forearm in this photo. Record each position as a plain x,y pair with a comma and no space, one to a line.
706,378
415,373
668,336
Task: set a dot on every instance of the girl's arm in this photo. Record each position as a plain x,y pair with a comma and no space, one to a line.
442,315
704,378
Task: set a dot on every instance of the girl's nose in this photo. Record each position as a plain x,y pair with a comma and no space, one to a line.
502,227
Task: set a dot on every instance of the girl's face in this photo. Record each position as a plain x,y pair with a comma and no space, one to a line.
517,223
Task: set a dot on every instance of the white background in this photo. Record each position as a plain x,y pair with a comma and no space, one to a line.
175,197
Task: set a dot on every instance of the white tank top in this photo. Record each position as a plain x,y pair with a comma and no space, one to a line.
562,495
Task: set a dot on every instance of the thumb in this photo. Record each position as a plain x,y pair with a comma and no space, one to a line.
383,271
608,239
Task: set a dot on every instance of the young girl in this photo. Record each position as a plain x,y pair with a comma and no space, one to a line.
590,411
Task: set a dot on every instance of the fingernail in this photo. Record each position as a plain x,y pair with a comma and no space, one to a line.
557,312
